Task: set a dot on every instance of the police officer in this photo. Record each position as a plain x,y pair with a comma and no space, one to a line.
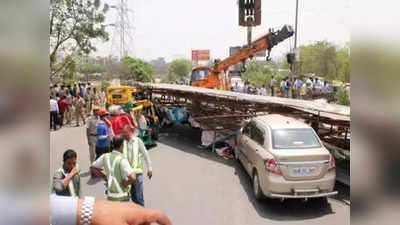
118,173
79,105
91,133
66,180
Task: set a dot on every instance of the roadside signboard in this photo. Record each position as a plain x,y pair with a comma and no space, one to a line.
199,55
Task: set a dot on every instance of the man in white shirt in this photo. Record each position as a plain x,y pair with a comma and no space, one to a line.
263,91
53,113
135,151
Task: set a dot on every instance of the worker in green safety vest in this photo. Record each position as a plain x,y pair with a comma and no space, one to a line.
134,150
66,180
117,171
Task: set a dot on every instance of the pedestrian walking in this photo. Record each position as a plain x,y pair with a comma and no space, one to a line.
66,180
135,151
118,172
91,133
53,113
79,105
63,108
103,136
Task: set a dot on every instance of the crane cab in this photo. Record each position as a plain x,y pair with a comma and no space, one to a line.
199,74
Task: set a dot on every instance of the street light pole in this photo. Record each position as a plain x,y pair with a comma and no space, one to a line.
294,65
295,29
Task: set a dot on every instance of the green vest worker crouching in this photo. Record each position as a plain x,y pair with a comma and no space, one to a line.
117,172
66,180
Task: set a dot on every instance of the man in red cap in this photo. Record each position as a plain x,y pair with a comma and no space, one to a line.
103,134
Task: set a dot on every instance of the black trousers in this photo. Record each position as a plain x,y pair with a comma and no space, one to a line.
53,120
61,122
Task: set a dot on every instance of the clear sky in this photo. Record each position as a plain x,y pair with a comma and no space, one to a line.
172,28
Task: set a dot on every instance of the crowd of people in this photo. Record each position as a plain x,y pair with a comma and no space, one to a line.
73,102
288,87
116,151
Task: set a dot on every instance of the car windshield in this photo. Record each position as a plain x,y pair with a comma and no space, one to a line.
294,138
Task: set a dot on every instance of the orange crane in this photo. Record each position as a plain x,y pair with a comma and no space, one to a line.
217,78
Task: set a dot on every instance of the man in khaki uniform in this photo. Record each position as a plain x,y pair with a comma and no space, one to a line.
79,105
68,115
91,132
95,98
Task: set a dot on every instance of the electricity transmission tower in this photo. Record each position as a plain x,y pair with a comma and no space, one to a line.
122,39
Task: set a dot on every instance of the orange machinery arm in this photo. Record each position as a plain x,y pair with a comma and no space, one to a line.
266,42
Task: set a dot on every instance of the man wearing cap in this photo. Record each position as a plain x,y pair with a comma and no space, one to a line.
103,136
91,133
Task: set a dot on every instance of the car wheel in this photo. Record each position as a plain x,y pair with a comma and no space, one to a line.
256,187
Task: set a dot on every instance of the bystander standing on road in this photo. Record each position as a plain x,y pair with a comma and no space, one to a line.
297,87
95,98
263,91
69,100
66,180
272,86
134,150
79,105
80,90
287,84
118,173
63,108
53,113
87,101
103,137
325,88
56,89
91,133
103,98
309,90
282,87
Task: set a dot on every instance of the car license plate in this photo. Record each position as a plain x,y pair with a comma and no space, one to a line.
303,171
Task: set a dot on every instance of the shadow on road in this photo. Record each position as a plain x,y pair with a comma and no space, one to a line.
290,209
186,139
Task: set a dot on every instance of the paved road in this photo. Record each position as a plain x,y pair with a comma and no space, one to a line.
194,186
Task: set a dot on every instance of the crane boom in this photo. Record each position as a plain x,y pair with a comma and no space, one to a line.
215,79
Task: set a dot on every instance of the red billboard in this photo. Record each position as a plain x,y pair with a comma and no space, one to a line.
198,55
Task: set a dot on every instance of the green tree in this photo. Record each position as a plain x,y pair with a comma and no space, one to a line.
137,69
257,74
90,68
75,22
69,69
319,59
343,65
342,96
178,70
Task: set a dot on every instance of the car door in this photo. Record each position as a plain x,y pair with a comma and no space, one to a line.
244,147
256,146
